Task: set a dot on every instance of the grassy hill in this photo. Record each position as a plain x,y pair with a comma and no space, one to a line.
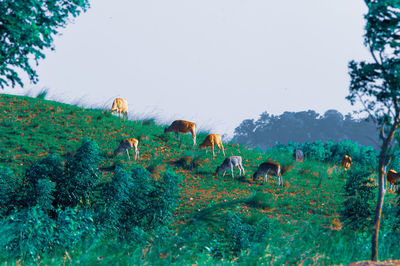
303,216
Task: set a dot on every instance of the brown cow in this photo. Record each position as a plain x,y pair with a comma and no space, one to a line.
120,106
211,140
392,176
346,162
183,127
126,144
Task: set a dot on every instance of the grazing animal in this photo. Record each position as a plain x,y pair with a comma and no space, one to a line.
120,106
392,176
346,162
126,144
298,155
230,162
269,168
211,140
184,127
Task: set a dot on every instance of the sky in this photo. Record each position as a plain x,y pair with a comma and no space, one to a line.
213,62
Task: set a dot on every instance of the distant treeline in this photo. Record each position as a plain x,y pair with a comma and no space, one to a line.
305,126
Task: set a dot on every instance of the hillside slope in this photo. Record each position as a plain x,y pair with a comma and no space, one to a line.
33,128
312,195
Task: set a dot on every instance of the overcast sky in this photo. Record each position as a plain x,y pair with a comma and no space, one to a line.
213,62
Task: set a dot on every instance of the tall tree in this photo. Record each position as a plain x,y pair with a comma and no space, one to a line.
26,28
376,85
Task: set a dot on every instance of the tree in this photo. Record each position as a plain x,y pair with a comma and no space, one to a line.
26,28
376,85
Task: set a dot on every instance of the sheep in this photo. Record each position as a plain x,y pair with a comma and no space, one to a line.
392,176
346,162
211,140
126,144
120,106
230,162
266,168
184,127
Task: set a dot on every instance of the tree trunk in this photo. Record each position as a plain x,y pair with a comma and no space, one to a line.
382,191
378,214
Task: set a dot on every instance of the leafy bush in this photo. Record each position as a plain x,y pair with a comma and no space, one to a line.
9,188
151,204
77,184
316,151
359,193
346,147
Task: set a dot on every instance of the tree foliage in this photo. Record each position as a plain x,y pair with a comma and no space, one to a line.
303,127
376,85
26,28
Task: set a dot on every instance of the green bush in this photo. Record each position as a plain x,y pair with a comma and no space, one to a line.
358,207
9,188
346,147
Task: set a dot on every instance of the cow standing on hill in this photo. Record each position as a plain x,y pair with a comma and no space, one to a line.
269,168
229,163
211,140
120,106
183,127
126,144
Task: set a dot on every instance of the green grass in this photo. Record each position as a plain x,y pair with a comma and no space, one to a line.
304,212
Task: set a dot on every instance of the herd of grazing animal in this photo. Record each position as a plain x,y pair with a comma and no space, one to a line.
120,106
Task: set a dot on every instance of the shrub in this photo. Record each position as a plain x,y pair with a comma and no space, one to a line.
39,182
359,193
135,200
316,151
346,147
77,184
9,188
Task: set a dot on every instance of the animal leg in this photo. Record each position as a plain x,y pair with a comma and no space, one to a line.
241,166
265,178
213,150
232,172
224,173
194,138
127,152
136,154
223,152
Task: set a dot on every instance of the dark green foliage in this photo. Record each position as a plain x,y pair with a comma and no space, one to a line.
8,191
28,27
237,232
346,147
81,174
27,232
135,200
39,182
31,232
59,206
358,208
317,150
369,156
305,126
